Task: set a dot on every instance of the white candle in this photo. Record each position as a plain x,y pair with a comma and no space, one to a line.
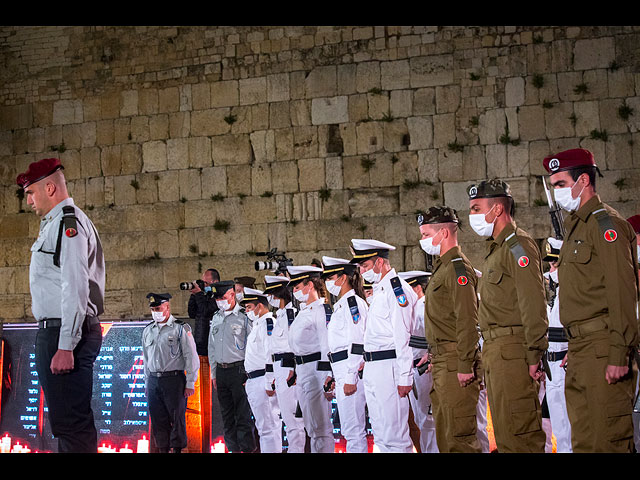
126,449
143,445
5,444
218,447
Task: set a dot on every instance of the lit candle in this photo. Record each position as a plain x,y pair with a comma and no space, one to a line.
5,444
126,449
143,445
17,448
218,447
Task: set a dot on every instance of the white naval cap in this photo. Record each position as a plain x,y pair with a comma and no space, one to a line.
413,276
363,249
334,265
274,282
251,295
300,272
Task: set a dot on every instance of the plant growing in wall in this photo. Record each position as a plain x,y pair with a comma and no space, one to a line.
581,89
222,225
217,197
537,80
455,147
324,194
599,135
625,111
231,119
367,163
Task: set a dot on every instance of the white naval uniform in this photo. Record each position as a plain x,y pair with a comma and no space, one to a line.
421,406
343,332
307,336
278,344
264,407
389,328
556,401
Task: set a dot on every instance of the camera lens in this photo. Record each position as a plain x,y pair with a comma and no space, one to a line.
186,286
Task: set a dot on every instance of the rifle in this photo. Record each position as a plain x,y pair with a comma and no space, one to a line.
556,214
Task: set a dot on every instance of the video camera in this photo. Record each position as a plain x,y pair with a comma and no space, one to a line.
276,261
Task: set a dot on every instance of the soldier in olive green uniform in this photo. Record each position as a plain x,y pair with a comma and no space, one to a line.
512,317
451,320
597,270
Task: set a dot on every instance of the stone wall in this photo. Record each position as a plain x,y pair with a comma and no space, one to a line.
194,147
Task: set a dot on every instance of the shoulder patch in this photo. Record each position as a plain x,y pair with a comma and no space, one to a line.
269,326
461,272
327,312
399,292
517,250
353,308
606,225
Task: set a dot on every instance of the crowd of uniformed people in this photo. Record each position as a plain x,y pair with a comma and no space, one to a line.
416,356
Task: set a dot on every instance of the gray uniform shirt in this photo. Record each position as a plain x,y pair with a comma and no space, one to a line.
75,289
228,337
170,346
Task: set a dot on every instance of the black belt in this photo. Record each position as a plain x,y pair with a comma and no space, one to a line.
558,334
287,359
57,322
357,348
269,367
418,342
229,365
170,373
312,357
379,355
556,356
338,356
256,373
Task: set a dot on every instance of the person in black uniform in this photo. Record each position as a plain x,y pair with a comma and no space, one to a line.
201,308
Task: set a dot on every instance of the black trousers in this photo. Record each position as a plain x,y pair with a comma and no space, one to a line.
68,395
167,409
237,420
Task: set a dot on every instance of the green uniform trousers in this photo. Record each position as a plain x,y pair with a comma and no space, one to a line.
454,407
516,413
599,413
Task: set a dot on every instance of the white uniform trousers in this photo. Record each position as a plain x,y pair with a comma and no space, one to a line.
265,412
388,412
481,418
557,405
421,407
351,410
288,402
316,409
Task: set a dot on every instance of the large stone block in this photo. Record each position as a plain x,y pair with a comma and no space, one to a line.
394,75
65,112
329,110
231,149
593,53
374,202
431,71
252,90
154,156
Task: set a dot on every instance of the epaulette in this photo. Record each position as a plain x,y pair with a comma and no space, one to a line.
606,225
399,292
291,316
353,308
517,250
269,326
327,312
68,225
461,272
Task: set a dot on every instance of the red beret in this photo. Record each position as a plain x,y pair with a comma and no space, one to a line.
38,170
574,158
635,223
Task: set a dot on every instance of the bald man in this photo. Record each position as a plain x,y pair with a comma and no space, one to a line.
66,278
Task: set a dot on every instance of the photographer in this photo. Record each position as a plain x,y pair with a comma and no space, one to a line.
202,306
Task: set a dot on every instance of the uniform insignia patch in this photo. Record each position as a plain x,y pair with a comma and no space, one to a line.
610,235
462,280
70,232
523,261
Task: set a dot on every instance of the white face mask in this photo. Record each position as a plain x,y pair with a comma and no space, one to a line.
301,297
638,249
332,287
239,296
554,276
223,305
427,245
369,299
273,301
370,276
252,315
479,223
565,199
158,317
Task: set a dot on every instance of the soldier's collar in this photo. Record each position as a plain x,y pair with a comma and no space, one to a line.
451,253
506,231
57,210
584,212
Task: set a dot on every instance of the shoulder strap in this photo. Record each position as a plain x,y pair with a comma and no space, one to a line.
327,312
68,224
606,225
399,292
269,326
461,272
517,250
353,308
291,315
